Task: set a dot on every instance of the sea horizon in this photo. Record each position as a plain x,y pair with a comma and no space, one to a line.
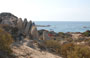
65,26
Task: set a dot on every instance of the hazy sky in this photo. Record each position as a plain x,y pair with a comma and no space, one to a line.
48,10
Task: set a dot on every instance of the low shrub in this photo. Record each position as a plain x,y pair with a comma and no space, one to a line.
53,45
65,48
5,42
64,35
70,50
12,30
61,34
50,45
79,52
87,33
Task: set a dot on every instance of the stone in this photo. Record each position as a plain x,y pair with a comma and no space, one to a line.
45,35
34,33
33,24
7,22
20,24
28,27
25,23
8,18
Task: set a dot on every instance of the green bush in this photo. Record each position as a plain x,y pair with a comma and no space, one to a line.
87,33
5,41
61,34
64,35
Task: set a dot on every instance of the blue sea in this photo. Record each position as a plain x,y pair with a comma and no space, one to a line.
64,26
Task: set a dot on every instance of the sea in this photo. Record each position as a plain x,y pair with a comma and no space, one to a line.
64,26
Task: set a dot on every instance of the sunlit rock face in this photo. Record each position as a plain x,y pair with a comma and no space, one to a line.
21,28
34,32
20,25
28,27
45,35
8,18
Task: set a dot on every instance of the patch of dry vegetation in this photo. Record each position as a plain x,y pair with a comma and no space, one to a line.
68,50
5,42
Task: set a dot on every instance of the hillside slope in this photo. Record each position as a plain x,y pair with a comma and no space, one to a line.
24,51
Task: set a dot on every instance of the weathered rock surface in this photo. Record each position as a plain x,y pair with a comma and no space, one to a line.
45,35
28,27
8,18
24,24
24,28
20,24
34,32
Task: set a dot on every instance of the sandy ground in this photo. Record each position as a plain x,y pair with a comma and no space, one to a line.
76,36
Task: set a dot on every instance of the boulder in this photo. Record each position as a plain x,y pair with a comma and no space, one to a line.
7,22
24,23
34,33
45,35
20,24
28,27
8,18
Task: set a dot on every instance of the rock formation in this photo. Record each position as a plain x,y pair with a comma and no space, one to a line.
25,28
24,24
8,18
45,35
23,32
34,32
20,24
28,27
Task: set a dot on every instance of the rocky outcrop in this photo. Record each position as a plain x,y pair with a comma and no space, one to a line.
20,24
28,27
34,32
45,35
20,30
8,18
24,28
24,24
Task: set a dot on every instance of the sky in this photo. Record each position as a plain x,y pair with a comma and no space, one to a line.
48,10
